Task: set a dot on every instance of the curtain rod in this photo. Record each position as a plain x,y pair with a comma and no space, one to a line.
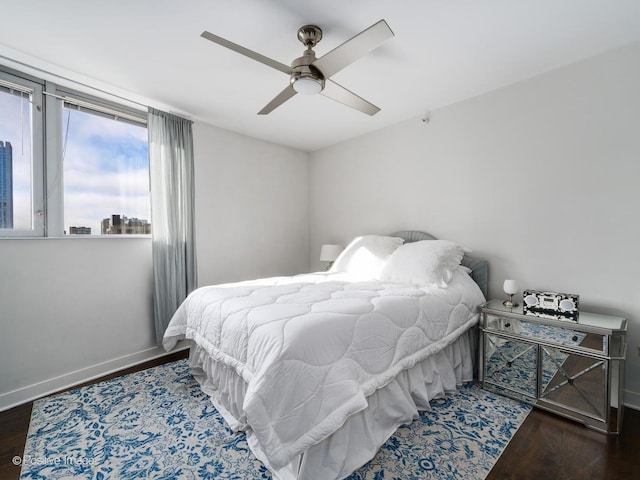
41,70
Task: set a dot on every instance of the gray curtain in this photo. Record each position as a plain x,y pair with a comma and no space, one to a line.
172,214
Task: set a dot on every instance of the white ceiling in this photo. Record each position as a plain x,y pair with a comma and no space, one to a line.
443,51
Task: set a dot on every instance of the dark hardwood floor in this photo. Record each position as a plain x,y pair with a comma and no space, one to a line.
546,447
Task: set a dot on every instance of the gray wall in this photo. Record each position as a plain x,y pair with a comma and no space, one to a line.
540,177
75,308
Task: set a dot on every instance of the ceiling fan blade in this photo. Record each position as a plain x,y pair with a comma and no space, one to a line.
247,53
340,94
353,49
282,97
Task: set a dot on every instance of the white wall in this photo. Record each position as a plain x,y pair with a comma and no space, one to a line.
71,309
76,308
541,178
252,207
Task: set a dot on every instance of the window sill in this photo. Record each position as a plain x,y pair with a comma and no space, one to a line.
83,237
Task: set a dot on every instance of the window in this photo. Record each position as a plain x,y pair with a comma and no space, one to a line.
96,162
21,156
106,173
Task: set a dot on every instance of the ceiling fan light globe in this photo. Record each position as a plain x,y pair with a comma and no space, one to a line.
308,85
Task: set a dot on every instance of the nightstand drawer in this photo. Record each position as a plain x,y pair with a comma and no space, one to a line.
539,332
510,366
592,333
575,382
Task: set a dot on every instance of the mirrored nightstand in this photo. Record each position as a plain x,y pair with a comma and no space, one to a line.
575,369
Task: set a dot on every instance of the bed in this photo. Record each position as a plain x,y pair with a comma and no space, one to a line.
320,369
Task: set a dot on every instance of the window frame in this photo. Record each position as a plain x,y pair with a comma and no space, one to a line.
38,211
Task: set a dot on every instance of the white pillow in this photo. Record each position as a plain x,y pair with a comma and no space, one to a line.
365,256
428,263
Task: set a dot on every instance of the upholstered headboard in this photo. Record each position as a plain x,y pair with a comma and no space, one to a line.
479,267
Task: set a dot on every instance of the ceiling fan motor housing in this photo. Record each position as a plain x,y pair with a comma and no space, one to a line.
306,78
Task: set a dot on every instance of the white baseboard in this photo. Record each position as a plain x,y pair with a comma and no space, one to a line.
42,389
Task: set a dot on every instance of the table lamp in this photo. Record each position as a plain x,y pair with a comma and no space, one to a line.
510,287
328,253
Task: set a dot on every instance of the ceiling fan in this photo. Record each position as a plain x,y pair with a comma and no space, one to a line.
310,75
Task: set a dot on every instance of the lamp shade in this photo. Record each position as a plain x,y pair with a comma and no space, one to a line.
510,287
328,253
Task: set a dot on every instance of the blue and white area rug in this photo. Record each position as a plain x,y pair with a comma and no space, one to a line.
158,424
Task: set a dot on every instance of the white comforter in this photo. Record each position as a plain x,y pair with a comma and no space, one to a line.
312,348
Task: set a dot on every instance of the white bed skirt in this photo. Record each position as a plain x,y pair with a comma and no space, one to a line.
363,433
